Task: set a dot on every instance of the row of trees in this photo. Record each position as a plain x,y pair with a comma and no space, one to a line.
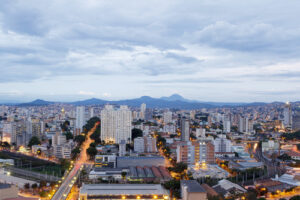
4,145
81,138
288,136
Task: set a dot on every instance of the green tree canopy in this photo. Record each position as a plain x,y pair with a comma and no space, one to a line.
75,152
69,135
79,138
65,126
96,136
34,141
136,133
178,167
297,197
92,152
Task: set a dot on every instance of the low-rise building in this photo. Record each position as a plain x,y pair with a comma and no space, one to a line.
107,173
192,190
227,188
245,165
132,161
123,191
271,145
213,171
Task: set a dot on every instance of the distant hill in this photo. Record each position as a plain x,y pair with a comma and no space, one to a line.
92,101
176,97
38,102
151,103
174,101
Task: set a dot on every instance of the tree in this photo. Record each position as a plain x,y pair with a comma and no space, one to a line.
136,133
34,141
27,186
96,136
69,135
92,152
124,175
34,186
43,184
284,157
174,187
39,152
297,197
5,145
75,152
178,167
43,193
79,139
65,126
90,124
65,164
50,142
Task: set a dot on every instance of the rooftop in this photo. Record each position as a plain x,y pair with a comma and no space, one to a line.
123,189
192,186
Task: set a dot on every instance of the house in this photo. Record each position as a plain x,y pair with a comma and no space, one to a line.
192,190
227,188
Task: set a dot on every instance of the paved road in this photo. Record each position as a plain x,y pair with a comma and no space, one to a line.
70,179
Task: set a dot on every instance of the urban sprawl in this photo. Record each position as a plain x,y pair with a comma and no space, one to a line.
63,151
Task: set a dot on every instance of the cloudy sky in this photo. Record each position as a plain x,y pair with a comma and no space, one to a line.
220,50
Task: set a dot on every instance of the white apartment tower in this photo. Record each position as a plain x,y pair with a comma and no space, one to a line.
167,117
222,144
143,111
226,126
243,124
80,117
287,115
116,124
139,145
185,130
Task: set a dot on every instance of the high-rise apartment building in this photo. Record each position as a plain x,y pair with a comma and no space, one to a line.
122,148
287,115
185,130
296,120
202,151
243,125
167,117
150,144
61,149
143,111
139,145
186,153
116,124
80,119
222,144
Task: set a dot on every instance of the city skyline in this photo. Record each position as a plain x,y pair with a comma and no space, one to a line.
221,51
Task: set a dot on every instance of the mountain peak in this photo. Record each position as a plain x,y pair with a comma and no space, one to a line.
174,97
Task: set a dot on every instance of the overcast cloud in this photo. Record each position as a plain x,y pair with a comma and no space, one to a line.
222,50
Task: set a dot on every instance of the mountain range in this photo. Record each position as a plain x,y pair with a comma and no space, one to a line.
174,101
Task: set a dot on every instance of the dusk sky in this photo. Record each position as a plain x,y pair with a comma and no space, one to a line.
206,50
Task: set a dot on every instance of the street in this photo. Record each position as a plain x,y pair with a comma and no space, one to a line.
71,178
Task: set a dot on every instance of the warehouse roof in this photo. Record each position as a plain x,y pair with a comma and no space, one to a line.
123,189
